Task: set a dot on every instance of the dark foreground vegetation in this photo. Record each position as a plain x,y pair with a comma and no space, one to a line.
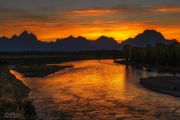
168,84
14,102
163,57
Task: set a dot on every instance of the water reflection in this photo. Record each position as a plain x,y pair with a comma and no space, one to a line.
99,90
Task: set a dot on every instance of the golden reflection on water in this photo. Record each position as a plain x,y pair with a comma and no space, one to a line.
92,78
96,90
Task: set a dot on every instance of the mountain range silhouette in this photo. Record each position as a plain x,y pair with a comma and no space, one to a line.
29,42
148,37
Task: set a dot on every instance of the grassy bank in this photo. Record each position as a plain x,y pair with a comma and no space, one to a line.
38,70
14,102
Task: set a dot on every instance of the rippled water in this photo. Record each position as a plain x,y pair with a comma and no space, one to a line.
99,90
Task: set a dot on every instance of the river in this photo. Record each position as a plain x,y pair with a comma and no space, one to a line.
99,90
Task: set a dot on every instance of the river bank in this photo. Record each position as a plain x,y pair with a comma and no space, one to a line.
167,85
14,102
39,70
158,68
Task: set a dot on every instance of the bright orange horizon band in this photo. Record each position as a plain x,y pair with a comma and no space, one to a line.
93,33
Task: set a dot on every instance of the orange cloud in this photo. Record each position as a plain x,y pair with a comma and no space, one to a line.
93,12
175,10
125,10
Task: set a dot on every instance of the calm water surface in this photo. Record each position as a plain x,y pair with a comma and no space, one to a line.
99,90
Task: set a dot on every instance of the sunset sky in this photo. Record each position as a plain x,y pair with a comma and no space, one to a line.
121,19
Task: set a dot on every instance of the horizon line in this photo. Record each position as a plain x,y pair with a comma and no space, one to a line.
77,36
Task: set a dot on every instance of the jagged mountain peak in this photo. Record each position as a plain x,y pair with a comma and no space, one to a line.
150,31
106,39
71,37
148,37
24,33
14,37
81,37
150,34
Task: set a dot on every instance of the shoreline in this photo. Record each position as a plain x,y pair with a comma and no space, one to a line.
169,85
42,70
161,69
14,101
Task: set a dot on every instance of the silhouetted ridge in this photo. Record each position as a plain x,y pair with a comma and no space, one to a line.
27,36
106,39
27,41
104,42
25,33
148,37
71,37
82,38
14,37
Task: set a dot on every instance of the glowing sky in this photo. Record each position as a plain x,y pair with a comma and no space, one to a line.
121,19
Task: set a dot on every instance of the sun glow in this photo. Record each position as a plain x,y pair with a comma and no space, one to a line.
118,31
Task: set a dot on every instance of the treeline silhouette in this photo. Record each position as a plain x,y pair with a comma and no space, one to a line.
159,55
36,57
98,53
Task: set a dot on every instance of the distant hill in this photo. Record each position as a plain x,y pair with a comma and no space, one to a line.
148,37
29,42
